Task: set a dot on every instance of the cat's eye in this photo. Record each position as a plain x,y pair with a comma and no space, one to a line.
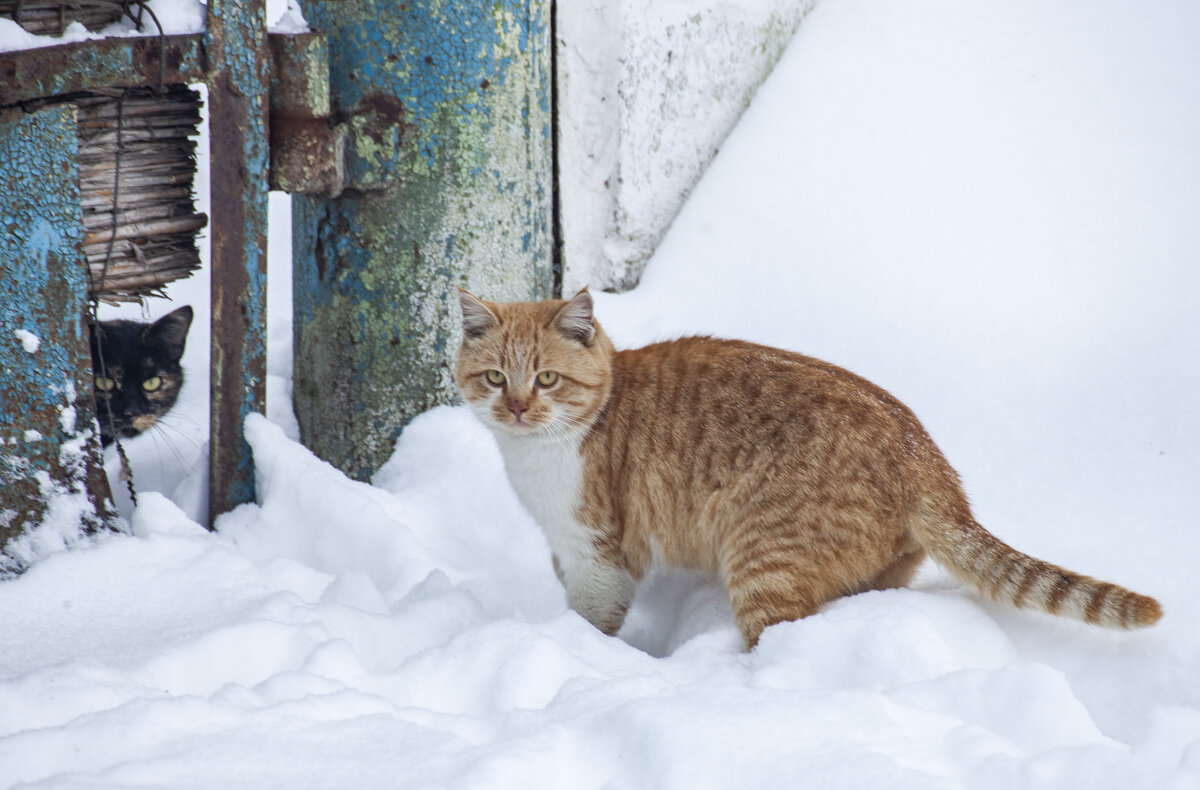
151,384
547,378
105,384
495,377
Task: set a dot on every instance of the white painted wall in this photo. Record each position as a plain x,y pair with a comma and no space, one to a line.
648,90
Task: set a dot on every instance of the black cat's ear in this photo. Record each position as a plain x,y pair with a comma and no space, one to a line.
477,317
171,330
575,319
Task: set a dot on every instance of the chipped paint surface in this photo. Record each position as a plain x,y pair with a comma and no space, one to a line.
109,62
238,81
450,176
47,447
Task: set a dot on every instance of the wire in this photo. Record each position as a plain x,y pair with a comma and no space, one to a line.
126,469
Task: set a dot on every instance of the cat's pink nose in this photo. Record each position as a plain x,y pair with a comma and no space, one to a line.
518,408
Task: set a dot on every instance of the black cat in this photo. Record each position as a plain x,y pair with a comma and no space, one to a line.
137,375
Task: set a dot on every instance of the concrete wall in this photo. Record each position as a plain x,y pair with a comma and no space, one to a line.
648,89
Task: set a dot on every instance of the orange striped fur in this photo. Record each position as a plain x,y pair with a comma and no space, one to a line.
795,481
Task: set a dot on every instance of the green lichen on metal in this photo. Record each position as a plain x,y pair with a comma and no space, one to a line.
49,453
299,75
449,176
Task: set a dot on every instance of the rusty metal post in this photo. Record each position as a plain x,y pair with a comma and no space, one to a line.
445,110
100,63
50,457
238,79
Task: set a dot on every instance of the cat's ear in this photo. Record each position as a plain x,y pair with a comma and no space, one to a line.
171,330
477,318
575,319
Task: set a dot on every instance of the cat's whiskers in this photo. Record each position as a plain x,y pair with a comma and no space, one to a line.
181,415
567,425
155,434
557,432
165,424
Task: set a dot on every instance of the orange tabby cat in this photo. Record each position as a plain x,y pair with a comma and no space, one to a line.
795,481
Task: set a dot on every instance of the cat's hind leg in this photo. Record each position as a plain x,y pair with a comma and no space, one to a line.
768,599
779,586
899,572
768,586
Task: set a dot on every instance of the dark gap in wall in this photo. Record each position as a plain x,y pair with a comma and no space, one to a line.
556,249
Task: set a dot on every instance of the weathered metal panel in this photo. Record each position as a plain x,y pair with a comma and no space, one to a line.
238,80
449,174
50,458
109,62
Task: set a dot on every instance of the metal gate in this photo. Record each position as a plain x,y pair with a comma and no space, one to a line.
416,140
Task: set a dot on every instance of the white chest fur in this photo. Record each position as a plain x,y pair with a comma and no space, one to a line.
547,475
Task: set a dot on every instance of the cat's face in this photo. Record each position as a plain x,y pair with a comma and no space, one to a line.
140,378
534,368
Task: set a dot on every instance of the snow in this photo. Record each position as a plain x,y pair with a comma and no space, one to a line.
175,17
13,36
986,208
647,92
29,341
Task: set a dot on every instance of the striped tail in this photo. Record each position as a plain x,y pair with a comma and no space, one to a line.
1004,574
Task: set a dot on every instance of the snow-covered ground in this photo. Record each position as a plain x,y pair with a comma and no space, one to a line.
988,208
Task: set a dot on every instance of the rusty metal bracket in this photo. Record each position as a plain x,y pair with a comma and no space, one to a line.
308,151
308,156
299,75
312,143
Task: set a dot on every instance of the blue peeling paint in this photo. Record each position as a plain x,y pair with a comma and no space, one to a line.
436,57
439,194
40,230
45,389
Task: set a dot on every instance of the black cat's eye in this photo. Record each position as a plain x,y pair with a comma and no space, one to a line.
495,378
152,383
547,378
105,384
